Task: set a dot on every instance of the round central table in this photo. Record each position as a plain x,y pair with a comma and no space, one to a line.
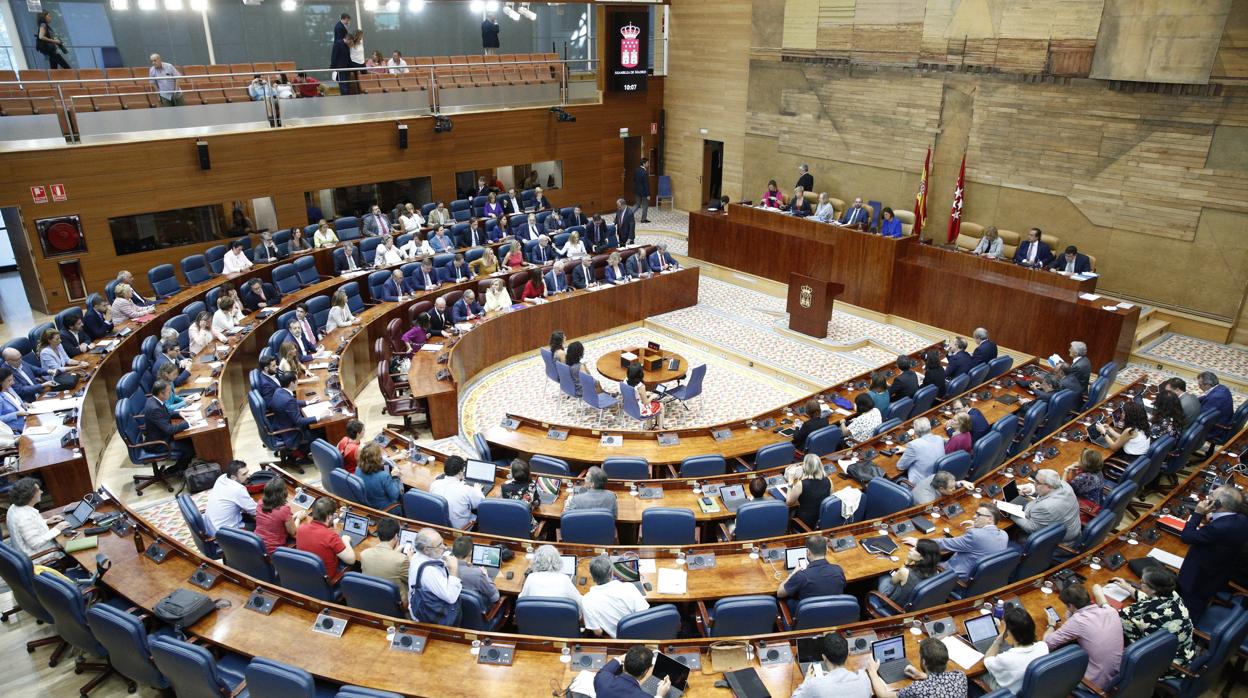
610,366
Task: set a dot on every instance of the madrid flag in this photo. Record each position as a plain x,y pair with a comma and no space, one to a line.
955,216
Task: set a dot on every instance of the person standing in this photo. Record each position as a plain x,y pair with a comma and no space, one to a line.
641,188
489,34
805,179
1214,534
48,44
340,54
165,77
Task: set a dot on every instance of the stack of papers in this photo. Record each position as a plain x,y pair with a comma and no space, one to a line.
1165,558
1011,509
318,410
961,653
672,581
431,347
318,365
54,405
1090,296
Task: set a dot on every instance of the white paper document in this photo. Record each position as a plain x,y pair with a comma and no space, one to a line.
673,581
961,653
583,684
1090,296
1115,593
318,366
431,347
646,566
1011,509
54,405
1165,558
318,410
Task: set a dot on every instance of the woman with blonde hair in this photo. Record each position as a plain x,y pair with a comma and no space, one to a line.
339,312
124,306
486,264
324,235
573,248
513,258
808,487
288,360
496,296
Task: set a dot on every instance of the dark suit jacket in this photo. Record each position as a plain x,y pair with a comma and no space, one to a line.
1211,547
438,322
1068,382
582,276
800,207
904,385
633,266
808,427
465,238
641,182
1082,370
611,276
959,362
287,415
459,311
161,360
448,272
1043,257
71,340
556,282
573,219
340,54
653,261
252,302
612,681
340,260
512,205
542,255
625,225
525,233
264,254
95,325
418,279
27,389
806,182
1219,399
266,386
157,423
985,352
390,291
1082,263
306,349
936,377
542,203
853,216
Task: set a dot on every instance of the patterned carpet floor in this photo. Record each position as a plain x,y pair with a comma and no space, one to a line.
1226,360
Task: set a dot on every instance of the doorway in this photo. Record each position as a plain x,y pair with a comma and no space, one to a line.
632,160
712,170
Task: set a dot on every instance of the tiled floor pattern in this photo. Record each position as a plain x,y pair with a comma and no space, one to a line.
1200,355
1134,370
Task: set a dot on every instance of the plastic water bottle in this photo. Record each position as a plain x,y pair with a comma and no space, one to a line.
998,611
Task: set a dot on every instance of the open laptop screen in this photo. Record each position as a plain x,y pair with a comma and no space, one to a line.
354,523
889,649
480,471
981,628
486,555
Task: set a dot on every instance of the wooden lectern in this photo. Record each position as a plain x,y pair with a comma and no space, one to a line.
810,304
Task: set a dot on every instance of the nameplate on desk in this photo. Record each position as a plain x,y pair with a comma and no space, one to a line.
261,603
510,424
443,357
668,439
767,423
502,655
328,625
721,434
444,374
777,653
611,440
650,493
557,434
710,490
701,561
409,642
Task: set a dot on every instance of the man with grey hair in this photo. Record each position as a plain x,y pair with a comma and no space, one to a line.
805,179
985,349
165,77
609,600
959,360
1215,534
661,260
984,539
1217,398
625,223
942,484
125,277
545,577
28,380
1054,502
594,495
1080,365
434,580
919,460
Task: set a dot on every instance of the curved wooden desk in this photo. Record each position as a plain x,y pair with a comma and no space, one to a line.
359,657
611,365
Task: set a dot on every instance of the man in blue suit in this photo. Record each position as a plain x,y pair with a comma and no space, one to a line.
1034,252
395,287
287,414
98,320
466,308
529,230
257,294
856,214
625,223
158,425
985,349
598,237
347,258
543,253
660,260
295,336
268,384
75,338
170,354
1218,398
583,273
1072,262
641,188
959,361
473,236
458,270
556,282
635,266
1212,548
426,278
28,380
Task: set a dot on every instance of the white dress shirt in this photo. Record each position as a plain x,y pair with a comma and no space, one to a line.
412,222
28,530
415,248
235,262
199,339
838,683
389,256
222,321
437,580
1007,668
461,499
226,503
339,316
573,249
550,585
604,605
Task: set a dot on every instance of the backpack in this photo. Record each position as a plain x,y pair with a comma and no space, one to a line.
183,608
425,606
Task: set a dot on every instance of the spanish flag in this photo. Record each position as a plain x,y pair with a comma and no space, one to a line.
920,199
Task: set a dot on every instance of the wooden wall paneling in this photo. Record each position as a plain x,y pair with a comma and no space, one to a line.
104,181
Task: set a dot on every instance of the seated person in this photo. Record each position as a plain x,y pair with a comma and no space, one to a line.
433,578
941,484
1097,629
13,409
814,576
1034,251
623,675
1016,647
461,498
1072,262
661,259
396,287
535,287
554,223
484,265
1054,502
934,372
473,578
381,485
922,452
1136,434
773,197
440,324
426,278
455,272
906,384
257,294
836,680
636,266
815,420
799,206
497,297
466,309
825,212
614,271
349,445
934,680
98,321
235,261
158,426
958,361
583,273
877,388
288,414
594,494
1060,378
440,242
574,247
348,259
856,215
542,253
983,539
1156,605
317,536
29,531
609,600
808,487
387,254
385,560
230,505
546,579
169,353
720,204
866,419
556,280
1216,397
530,230
990,245
979,423
75,340
890,227
922,561
473,236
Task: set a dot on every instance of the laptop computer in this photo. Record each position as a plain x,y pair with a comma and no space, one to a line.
808,653
667,668
569,565
981,631
488,558
793,557
81,514
1011,494
481,473
733,497
356,527
891,654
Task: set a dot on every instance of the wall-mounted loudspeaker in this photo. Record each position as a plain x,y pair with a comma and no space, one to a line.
202,148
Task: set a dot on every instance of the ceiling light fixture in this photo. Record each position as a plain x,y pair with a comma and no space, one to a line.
370,5
526,12
289,5
199,5
173,5
119,5
392,6
415,5
509,9
477,6
147,5
491,5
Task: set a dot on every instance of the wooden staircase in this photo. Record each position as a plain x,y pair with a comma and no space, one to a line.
1149,329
